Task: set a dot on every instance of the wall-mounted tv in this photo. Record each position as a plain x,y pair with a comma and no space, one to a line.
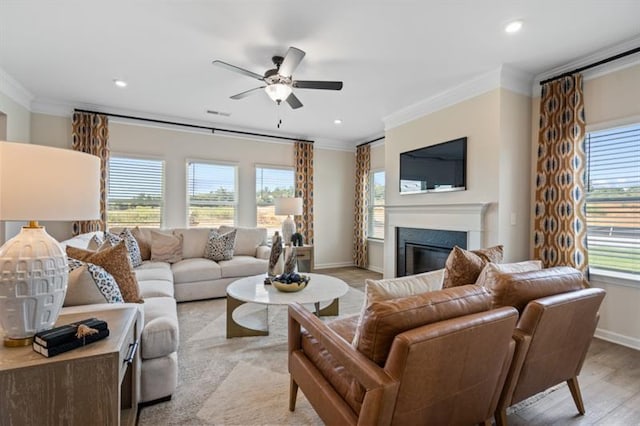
435,168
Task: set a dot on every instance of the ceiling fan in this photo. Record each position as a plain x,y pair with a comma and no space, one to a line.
279,80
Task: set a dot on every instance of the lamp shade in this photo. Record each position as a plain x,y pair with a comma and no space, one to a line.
278,92
43,183
288,206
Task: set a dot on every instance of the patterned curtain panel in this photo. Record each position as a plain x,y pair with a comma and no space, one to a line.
91,135
304,188
363,164
560,229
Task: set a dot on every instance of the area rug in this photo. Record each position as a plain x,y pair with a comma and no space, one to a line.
239,381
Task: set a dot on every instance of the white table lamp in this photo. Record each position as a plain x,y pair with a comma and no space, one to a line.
39,183
288,206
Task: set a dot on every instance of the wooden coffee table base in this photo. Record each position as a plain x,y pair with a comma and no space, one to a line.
235,329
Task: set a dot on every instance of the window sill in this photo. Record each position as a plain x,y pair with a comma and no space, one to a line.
375,240
614,278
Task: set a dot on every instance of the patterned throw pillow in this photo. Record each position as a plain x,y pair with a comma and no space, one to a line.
129,240
95,242
114,260
220,246
463,266
89,284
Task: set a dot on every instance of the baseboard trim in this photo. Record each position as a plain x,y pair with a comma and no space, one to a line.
332,265
620,339
376,269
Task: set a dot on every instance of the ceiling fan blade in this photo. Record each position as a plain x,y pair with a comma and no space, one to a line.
291,61
294,102
237,69
246,93
311,84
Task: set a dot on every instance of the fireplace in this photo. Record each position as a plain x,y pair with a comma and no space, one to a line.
422,250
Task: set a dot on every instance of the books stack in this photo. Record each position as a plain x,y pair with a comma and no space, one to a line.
64,338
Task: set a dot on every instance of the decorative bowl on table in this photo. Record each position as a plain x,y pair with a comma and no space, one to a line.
290,282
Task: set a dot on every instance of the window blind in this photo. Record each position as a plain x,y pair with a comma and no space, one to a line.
613,199
135,195
212,194
376,205
272,183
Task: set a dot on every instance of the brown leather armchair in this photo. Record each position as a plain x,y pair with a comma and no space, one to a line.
559,318
435,358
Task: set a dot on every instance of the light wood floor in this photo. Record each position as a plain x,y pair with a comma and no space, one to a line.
610,381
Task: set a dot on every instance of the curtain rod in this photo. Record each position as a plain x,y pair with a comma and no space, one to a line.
193,126
371,141
595,64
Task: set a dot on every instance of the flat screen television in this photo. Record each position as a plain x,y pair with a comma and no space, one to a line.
435,168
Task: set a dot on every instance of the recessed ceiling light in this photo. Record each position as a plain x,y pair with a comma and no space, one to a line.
337,121
120,83
513,27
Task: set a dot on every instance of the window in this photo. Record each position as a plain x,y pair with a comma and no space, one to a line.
376,205
613,199
271,183
212,194
135,193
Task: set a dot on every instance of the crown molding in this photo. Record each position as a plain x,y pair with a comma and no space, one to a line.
503,76
333,145
599,71
14,90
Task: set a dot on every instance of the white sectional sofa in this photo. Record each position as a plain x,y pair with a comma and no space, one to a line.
162,284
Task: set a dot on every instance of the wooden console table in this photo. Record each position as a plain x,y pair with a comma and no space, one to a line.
95,384
304,256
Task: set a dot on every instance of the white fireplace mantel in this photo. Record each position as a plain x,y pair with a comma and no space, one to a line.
467,217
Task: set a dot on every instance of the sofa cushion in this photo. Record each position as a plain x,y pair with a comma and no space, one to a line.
166,248
464,266
243,266
382,321
116,262
156,288
247,239
393,288
220,246
518,289
194,241
487,277
197,269
82,241
160,333
154,273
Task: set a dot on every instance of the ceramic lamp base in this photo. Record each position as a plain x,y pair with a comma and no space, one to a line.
33,284
288,229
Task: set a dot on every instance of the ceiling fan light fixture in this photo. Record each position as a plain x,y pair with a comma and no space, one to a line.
278,92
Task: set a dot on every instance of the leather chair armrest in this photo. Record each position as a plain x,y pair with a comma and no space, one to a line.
522,340
369,374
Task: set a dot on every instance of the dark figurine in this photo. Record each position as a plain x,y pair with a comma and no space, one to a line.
296,240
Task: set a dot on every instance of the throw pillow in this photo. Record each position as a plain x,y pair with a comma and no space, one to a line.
132,246
114,260
394,288
220,246
111,239
489,274
89,284
463,266
166,247
143,237
95,242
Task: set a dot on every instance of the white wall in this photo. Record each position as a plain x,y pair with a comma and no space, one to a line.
610,100
376,247
334,175
334,192
16,128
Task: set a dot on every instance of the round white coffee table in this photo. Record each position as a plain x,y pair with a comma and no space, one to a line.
321,288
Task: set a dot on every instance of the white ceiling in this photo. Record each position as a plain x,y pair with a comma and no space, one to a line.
390,54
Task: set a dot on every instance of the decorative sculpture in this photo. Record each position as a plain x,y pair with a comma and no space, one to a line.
291,261
296,239
275,260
